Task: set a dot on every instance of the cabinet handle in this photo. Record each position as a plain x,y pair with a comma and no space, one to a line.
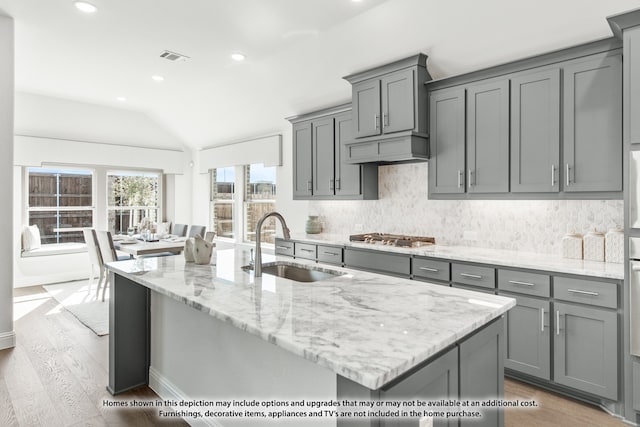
553,175
557,322
331,253
306,250
331,185
309,187
541,319
576,291
568,169
337,184
471,276
385,118
283,247
470,184
433,270
375,121
515,282
460,174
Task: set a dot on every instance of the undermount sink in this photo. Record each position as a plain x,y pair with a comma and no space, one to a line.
297,273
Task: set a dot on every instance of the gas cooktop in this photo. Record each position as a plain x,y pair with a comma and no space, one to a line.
393,239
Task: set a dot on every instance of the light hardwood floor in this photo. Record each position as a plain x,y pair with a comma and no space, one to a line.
56,376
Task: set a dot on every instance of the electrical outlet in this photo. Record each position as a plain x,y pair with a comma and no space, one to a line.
358,227
470,235
426,422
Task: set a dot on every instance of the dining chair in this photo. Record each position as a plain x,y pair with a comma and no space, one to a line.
95,257
179,230
197,229
108,253
209,236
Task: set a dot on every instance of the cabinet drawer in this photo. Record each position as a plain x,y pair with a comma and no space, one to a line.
305,250
524,282
473,275
284,247
602,294
330,254
425,268
381,262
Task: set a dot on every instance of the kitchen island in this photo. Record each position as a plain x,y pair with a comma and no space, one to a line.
217,332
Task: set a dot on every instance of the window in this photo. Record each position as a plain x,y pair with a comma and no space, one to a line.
222,201
60,203
259,198
132,196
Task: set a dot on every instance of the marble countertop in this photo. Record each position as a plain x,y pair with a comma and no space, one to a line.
497,257
367,327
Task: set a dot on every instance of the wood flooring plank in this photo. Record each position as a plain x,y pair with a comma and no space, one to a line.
37,410
7,413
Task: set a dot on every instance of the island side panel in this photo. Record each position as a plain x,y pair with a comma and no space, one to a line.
128,334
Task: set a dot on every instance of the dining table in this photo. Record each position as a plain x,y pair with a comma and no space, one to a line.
136,247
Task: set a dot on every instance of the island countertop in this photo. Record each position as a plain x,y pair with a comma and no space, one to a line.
367,327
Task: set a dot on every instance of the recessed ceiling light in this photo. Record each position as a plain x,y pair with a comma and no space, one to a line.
157,78
121,98
238,56
85,7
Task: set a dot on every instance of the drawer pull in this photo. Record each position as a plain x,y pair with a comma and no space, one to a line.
331,253
306,250
283,247
433,270
516,282
471,276
576,291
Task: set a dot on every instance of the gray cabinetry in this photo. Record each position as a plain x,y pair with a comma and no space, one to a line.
593,124
632,85
447,139
473,275
330,254
586,349
488,137
284,247
305,250
302,160
535,132
377,261
323,156
366,108
351,180
429,269
398,109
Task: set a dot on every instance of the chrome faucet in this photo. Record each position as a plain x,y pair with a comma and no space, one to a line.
285,231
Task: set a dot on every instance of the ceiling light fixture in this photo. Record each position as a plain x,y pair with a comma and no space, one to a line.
238,56
85,7
157,78
121,98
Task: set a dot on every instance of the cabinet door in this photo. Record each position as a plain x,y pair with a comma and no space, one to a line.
535,132
488,137
586,349
528,343
632,85
593,125
366,108
347,178
447,134
398,106
323,175
302,160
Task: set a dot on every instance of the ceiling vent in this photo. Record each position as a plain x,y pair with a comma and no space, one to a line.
173,57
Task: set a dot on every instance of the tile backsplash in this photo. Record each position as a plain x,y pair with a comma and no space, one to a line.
520,225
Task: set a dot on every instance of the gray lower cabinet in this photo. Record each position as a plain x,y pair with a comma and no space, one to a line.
593,124
329,254
447,139
535,132
473,275
528,348
430,269
378,261
284,247
586,349
305,251
302,160
488,137
438,380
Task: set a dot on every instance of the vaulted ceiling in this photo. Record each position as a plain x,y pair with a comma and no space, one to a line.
296,51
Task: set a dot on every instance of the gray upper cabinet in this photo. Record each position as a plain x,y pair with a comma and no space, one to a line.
302,160
488,137
632,84
447,135
366,108
535,132
398,110
323,157
348,180
593,124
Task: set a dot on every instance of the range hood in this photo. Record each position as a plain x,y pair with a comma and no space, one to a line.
389,109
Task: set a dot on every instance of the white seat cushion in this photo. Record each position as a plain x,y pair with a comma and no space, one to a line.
31,237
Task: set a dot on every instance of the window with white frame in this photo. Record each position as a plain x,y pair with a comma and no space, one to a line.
60,203
131,197
223,183
259,199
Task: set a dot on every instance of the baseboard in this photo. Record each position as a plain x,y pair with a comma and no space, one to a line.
167,390
7,340
23,282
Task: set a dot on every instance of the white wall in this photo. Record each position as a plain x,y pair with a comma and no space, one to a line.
294,211
7,335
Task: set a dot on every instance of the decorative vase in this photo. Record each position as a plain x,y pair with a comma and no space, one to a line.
313,225
188,250
202,250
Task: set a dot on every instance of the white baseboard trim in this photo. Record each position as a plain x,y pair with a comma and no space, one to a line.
7,340
167,390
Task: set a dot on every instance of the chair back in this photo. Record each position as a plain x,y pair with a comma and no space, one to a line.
197,229
209,236
105,243
92,246
179,230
